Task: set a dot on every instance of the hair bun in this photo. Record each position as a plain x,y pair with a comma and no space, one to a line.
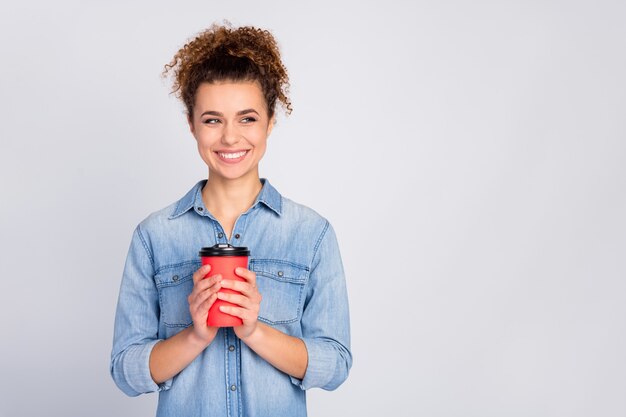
206,58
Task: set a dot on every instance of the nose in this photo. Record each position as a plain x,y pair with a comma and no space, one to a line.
230,135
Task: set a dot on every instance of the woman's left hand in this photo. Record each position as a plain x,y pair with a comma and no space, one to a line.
247,303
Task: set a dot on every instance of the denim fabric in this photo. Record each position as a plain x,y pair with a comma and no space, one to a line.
300,276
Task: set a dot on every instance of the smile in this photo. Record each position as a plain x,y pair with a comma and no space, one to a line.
232,156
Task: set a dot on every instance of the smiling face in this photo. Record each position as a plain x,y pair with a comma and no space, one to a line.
231,124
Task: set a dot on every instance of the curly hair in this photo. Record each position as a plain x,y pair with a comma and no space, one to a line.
223,53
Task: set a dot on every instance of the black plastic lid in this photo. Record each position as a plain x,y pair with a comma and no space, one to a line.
223,249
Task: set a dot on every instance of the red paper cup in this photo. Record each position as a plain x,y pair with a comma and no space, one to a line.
224,259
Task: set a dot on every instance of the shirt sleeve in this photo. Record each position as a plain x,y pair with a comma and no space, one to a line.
325,318
136,322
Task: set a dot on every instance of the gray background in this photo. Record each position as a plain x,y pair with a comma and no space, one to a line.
482,143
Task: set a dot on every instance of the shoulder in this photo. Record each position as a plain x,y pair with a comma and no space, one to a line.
301,212
157,220
289,213
163,219
307,220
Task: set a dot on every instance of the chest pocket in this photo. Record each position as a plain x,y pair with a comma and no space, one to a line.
174,284
281,285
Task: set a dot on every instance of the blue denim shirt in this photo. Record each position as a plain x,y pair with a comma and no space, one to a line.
300,276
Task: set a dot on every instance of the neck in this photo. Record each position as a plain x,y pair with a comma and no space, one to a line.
229,198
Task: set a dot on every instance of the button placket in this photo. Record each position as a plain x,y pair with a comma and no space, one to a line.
238,230
232,371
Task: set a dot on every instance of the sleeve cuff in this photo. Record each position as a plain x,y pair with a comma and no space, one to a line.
321,365
136,370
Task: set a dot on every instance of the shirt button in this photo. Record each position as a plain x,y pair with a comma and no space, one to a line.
220,235
280,273
237,236
231,348
175,278
233,387
200,209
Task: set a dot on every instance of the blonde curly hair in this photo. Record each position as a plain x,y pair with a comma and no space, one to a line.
224,53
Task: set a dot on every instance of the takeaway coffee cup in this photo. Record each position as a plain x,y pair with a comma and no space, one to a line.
223,259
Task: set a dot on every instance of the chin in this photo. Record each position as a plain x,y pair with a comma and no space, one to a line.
232,174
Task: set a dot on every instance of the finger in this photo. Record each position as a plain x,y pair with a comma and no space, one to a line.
237,299
203,284
246,274
201,273
242,313
199,296
239,286
203,308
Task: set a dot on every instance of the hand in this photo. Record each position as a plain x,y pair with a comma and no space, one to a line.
202,297
247,303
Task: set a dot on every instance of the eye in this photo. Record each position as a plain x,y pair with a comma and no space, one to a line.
210,121
248,120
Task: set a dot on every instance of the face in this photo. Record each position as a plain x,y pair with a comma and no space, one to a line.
231,124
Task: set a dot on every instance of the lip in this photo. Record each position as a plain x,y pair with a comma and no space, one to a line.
232,151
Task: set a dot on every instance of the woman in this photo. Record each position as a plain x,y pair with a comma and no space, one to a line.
293,303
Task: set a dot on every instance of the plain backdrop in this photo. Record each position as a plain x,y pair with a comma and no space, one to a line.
470,155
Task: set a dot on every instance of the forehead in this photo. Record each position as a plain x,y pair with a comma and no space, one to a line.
230,96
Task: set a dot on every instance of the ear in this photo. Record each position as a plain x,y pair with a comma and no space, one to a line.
270,125
190,123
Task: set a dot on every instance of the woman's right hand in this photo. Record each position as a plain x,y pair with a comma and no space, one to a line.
202,297
172,355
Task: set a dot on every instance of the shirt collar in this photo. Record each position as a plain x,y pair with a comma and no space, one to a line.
268,196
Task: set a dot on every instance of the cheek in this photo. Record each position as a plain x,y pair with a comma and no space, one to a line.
260,137
203,142
206,137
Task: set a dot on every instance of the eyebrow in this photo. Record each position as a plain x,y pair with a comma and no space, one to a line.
239,113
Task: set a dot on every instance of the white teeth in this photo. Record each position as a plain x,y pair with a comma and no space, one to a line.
232,155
